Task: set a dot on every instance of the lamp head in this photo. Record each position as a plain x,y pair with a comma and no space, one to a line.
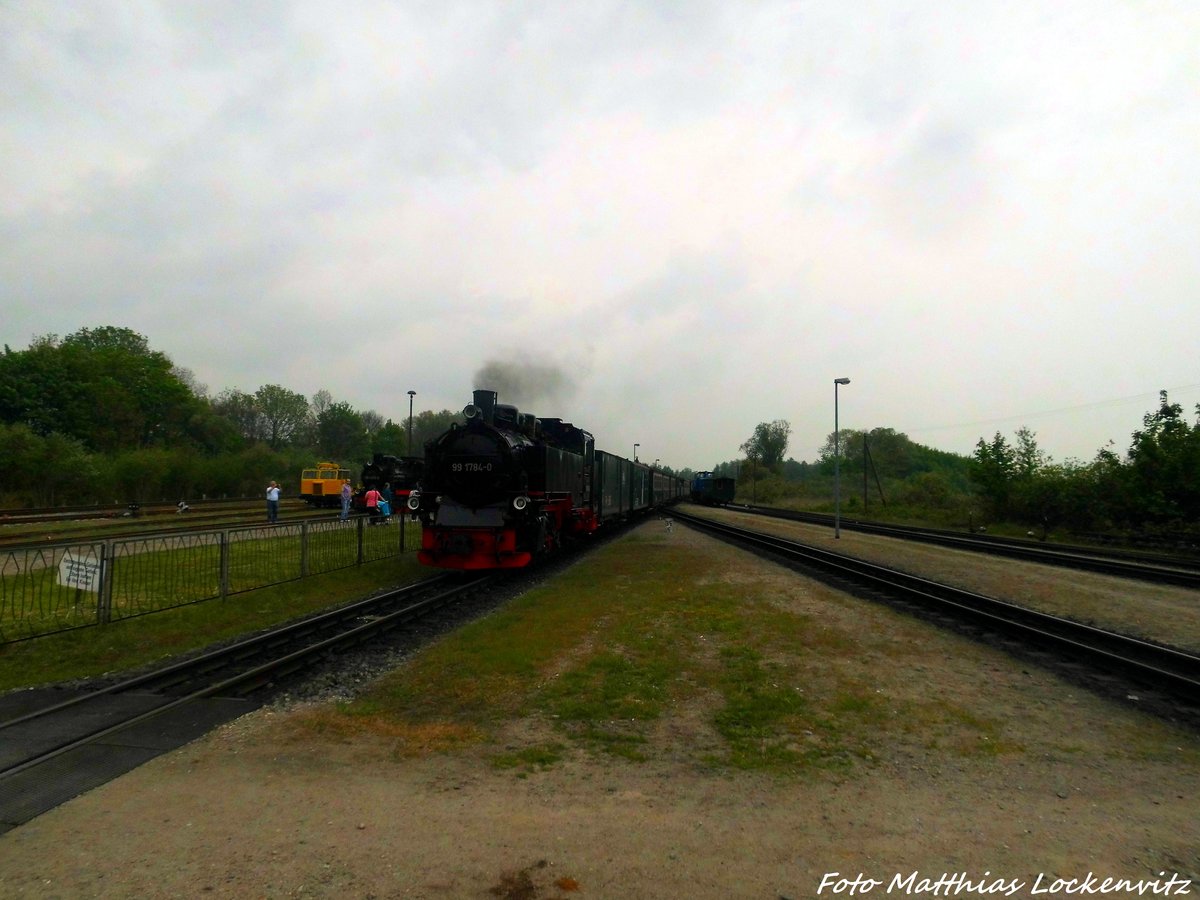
841,381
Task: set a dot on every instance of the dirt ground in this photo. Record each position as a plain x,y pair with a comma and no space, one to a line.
1081,785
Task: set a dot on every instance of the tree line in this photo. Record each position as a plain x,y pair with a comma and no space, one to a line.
99,417
1154,485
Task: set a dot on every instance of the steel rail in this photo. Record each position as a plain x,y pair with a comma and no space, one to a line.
289,661
1164,667
152,526
220,655
1142,567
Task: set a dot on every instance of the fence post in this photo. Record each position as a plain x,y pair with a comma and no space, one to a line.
223,575
360,540
303,549
104,595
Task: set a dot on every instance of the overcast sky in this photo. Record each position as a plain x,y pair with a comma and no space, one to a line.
664,221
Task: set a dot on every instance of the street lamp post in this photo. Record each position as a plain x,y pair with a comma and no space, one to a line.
837,454
411,394
635,446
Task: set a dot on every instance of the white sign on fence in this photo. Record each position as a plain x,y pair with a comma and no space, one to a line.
79,572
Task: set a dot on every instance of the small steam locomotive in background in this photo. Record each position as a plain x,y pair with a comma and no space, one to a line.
400,473
322,484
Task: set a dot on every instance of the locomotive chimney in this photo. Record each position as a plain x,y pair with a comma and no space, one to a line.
486,402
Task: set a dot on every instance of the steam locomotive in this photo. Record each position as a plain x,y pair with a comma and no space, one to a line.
401,473
506,487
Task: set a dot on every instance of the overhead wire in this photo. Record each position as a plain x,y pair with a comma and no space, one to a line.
1022,417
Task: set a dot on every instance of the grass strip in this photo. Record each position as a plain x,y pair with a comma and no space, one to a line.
644,636
136,642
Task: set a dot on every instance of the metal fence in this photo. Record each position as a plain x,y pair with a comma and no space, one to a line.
58,587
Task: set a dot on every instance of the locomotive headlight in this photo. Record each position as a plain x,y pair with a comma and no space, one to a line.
470,411
520,502
414,501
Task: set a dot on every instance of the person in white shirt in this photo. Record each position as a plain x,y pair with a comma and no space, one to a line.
272,503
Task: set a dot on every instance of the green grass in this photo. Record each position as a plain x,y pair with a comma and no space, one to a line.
641,650
609,650
530,759
135,642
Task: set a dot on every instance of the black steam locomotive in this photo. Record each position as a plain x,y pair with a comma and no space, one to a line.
506,487
401,473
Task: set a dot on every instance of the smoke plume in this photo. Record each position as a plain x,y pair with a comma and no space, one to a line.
540,389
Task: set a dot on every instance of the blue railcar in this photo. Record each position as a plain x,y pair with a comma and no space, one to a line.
712,490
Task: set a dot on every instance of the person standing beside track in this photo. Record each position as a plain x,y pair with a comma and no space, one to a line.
347,493
386,498
272,503
373,497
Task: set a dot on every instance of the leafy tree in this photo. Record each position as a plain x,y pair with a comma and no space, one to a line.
103,386
427,425
321,401
188,379
725,470
340,432
993,468
246,473
24,457
39,389
109,339
372,422
283,413
768,443
893,454
213,432
392,439
242,411
1164,461
138,385
66,471
1028,459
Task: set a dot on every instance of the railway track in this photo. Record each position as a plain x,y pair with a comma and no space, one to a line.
35,514
64,528
1154,568
55,744
1173,673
